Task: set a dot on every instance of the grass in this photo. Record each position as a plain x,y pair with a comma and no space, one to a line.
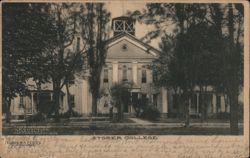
193,120
108,130
113,129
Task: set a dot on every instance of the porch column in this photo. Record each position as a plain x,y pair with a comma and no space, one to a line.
134,71
214,103
189,105
223,106
130,106
51,96
85,98
115,71
164,101
32,102
197,103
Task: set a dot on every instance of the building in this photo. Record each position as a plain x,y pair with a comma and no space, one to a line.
128,60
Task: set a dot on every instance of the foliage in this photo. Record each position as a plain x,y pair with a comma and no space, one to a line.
94,20
38,117
120,97
150,112
141,104
70,114
45,107
204,49
37,44
23,24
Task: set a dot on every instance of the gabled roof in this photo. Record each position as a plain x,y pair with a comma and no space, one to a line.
139,43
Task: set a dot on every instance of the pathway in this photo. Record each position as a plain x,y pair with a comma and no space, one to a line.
140,121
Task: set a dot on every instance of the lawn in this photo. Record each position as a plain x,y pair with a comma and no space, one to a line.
113,129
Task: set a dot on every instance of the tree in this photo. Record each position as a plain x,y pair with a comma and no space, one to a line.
202,52
64,62
21,55
179,66
120,94
233,63
94,20
228,47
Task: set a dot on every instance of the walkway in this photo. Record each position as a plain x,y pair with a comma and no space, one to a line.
140,121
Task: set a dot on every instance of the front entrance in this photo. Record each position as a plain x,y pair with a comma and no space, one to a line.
132,100
126,102
135,99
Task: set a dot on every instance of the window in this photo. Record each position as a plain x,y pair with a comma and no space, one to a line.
105,79
218,103
71,82
144,99
155,98
143,75
21,102
119,25
72,100
124,73
124,47
155,75
175,101
194,102
129,26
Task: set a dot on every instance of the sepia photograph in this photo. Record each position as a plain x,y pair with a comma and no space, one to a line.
127,68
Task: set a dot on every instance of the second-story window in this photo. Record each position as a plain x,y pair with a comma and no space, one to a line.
143,75
155,74
106,76
124,73
72,100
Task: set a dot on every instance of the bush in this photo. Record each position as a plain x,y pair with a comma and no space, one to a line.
45,107
150,113
241,111
38,117
223,115
68,115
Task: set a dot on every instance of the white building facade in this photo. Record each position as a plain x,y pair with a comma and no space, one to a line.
128,60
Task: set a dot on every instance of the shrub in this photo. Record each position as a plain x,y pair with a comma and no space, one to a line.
150,113
223,115
241,111
45,107
38,117
68,115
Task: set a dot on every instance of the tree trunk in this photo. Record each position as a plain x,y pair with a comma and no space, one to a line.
8,113
181,109
186,104
234,114
233,85
56,98
120,110
187,122
68,98
94,104
38,84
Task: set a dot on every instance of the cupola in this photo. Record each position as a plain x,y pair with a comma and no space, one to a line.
123,24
